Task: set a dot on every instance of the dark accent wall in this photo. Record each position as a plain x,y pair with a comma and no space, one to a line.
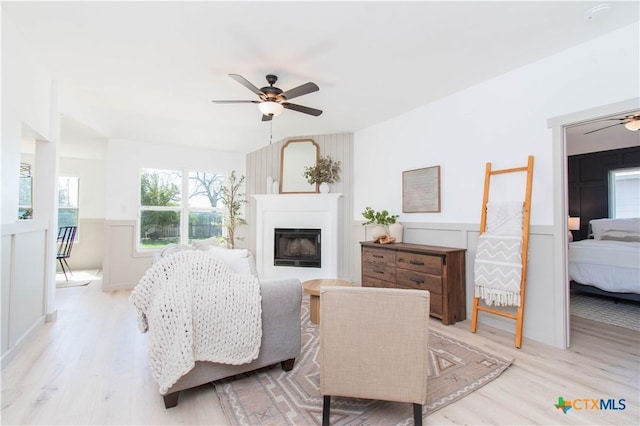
589,183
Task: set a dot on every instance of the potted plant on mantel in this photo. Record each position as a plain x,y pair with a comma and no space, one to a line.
326,171
384,222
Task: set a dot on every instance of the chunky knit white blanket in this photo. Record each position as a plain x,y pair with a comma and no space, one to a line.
197,309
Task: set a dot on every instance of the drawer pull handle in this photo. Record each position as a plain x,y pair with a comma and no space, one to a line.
415,262
417,281
377,271
379,256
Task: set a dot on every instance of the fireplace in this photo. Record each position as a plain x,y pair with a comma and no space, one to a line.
301,211
298,247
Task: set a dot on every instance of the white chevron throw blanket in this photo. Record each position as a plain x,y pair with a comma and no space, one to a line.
197,309
498,269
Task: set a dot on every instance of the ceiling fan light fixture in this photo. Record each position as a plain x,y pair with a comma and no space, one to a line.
270,108
633,125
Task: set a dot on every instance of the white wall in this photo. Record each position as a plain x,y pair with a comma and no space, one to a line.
500,121
92,174
26,103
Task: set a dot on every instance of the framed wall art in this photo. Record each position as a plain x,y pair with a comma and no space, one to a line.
421,190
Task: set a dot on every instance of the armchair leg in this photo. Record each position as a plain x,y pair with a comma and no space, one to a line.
417,414
326,408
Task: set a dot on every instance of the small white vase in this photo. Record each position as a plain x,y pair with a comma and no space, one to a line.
378,230
324,188
275,187
395,230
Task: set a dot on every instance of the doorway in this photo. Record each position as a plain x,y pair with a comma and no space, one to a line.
567,140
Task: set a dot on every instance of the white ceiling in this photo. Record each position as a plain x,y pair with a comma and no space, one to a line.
148,70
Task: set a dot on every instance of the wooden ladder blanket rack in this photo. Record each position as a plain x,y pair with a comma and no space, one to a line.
518,316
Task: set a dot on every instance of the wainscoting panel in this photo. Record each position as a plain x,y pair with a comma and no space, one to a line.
122,266
6,291
88,251
24,257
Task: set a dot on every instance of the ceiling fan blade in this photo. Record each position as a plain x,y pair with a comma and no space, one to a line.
240,79
267,117
236,102
300,108
300,90
602,128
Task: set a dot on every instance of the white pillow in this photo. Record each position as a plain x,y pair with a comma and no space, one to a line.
598,226
205,244
239,260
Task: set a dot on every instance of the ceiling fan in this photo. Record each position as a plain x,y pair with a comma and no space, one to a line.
273,100
631,122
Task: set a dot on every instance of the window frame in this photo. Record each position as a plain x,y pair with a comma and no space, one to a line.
612,190
75,209
183,209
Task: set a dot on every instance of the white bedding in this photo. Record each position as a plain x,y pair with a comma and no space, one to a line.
609,265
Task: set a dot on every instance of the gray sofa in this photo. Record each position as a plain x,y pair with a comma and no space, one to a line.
281,300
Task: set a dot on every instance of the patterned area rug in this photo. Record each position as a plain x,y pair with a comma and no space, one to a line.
274,397
603,309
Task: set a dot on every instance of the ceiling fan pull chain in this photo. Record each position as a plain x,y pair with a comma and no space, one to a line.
270,132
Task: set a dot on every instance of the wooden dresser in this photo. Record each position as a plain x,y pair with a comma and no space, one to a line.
441,270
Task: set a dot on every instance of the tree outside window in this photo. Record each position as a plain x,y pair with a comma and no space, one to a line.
178,207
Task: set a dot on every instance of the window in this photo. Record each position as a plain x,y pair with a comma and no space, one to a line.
624,193
178,207
25,193
68,195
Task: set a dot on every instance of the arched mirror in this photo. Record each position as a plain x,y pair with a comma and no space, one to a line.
295,156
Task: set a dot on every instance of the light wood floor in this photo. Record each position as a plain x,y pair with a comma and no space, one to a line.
90,367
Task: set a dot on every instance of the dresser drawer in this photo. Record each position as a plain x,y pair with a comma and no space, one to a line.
379,271
378,256
419,281
420,262
375,282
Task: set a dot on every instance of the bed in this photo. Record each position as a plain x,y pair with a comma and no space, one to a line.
608,264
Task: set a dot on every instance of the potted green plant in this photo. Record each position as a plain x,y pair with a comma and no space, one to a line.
381,221
326,171
232,199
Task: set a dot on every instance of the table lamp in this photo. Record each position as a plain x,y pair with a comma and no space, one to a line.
573,225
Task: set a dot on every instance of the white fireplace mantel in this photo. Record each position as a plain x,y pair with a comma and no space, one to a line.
297,211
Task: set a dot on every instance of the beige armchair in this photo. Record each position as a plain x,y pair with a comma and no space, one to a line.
373,345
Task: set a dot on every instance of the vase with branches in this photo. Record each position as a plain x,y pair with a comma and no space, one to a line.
327,170
233,199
